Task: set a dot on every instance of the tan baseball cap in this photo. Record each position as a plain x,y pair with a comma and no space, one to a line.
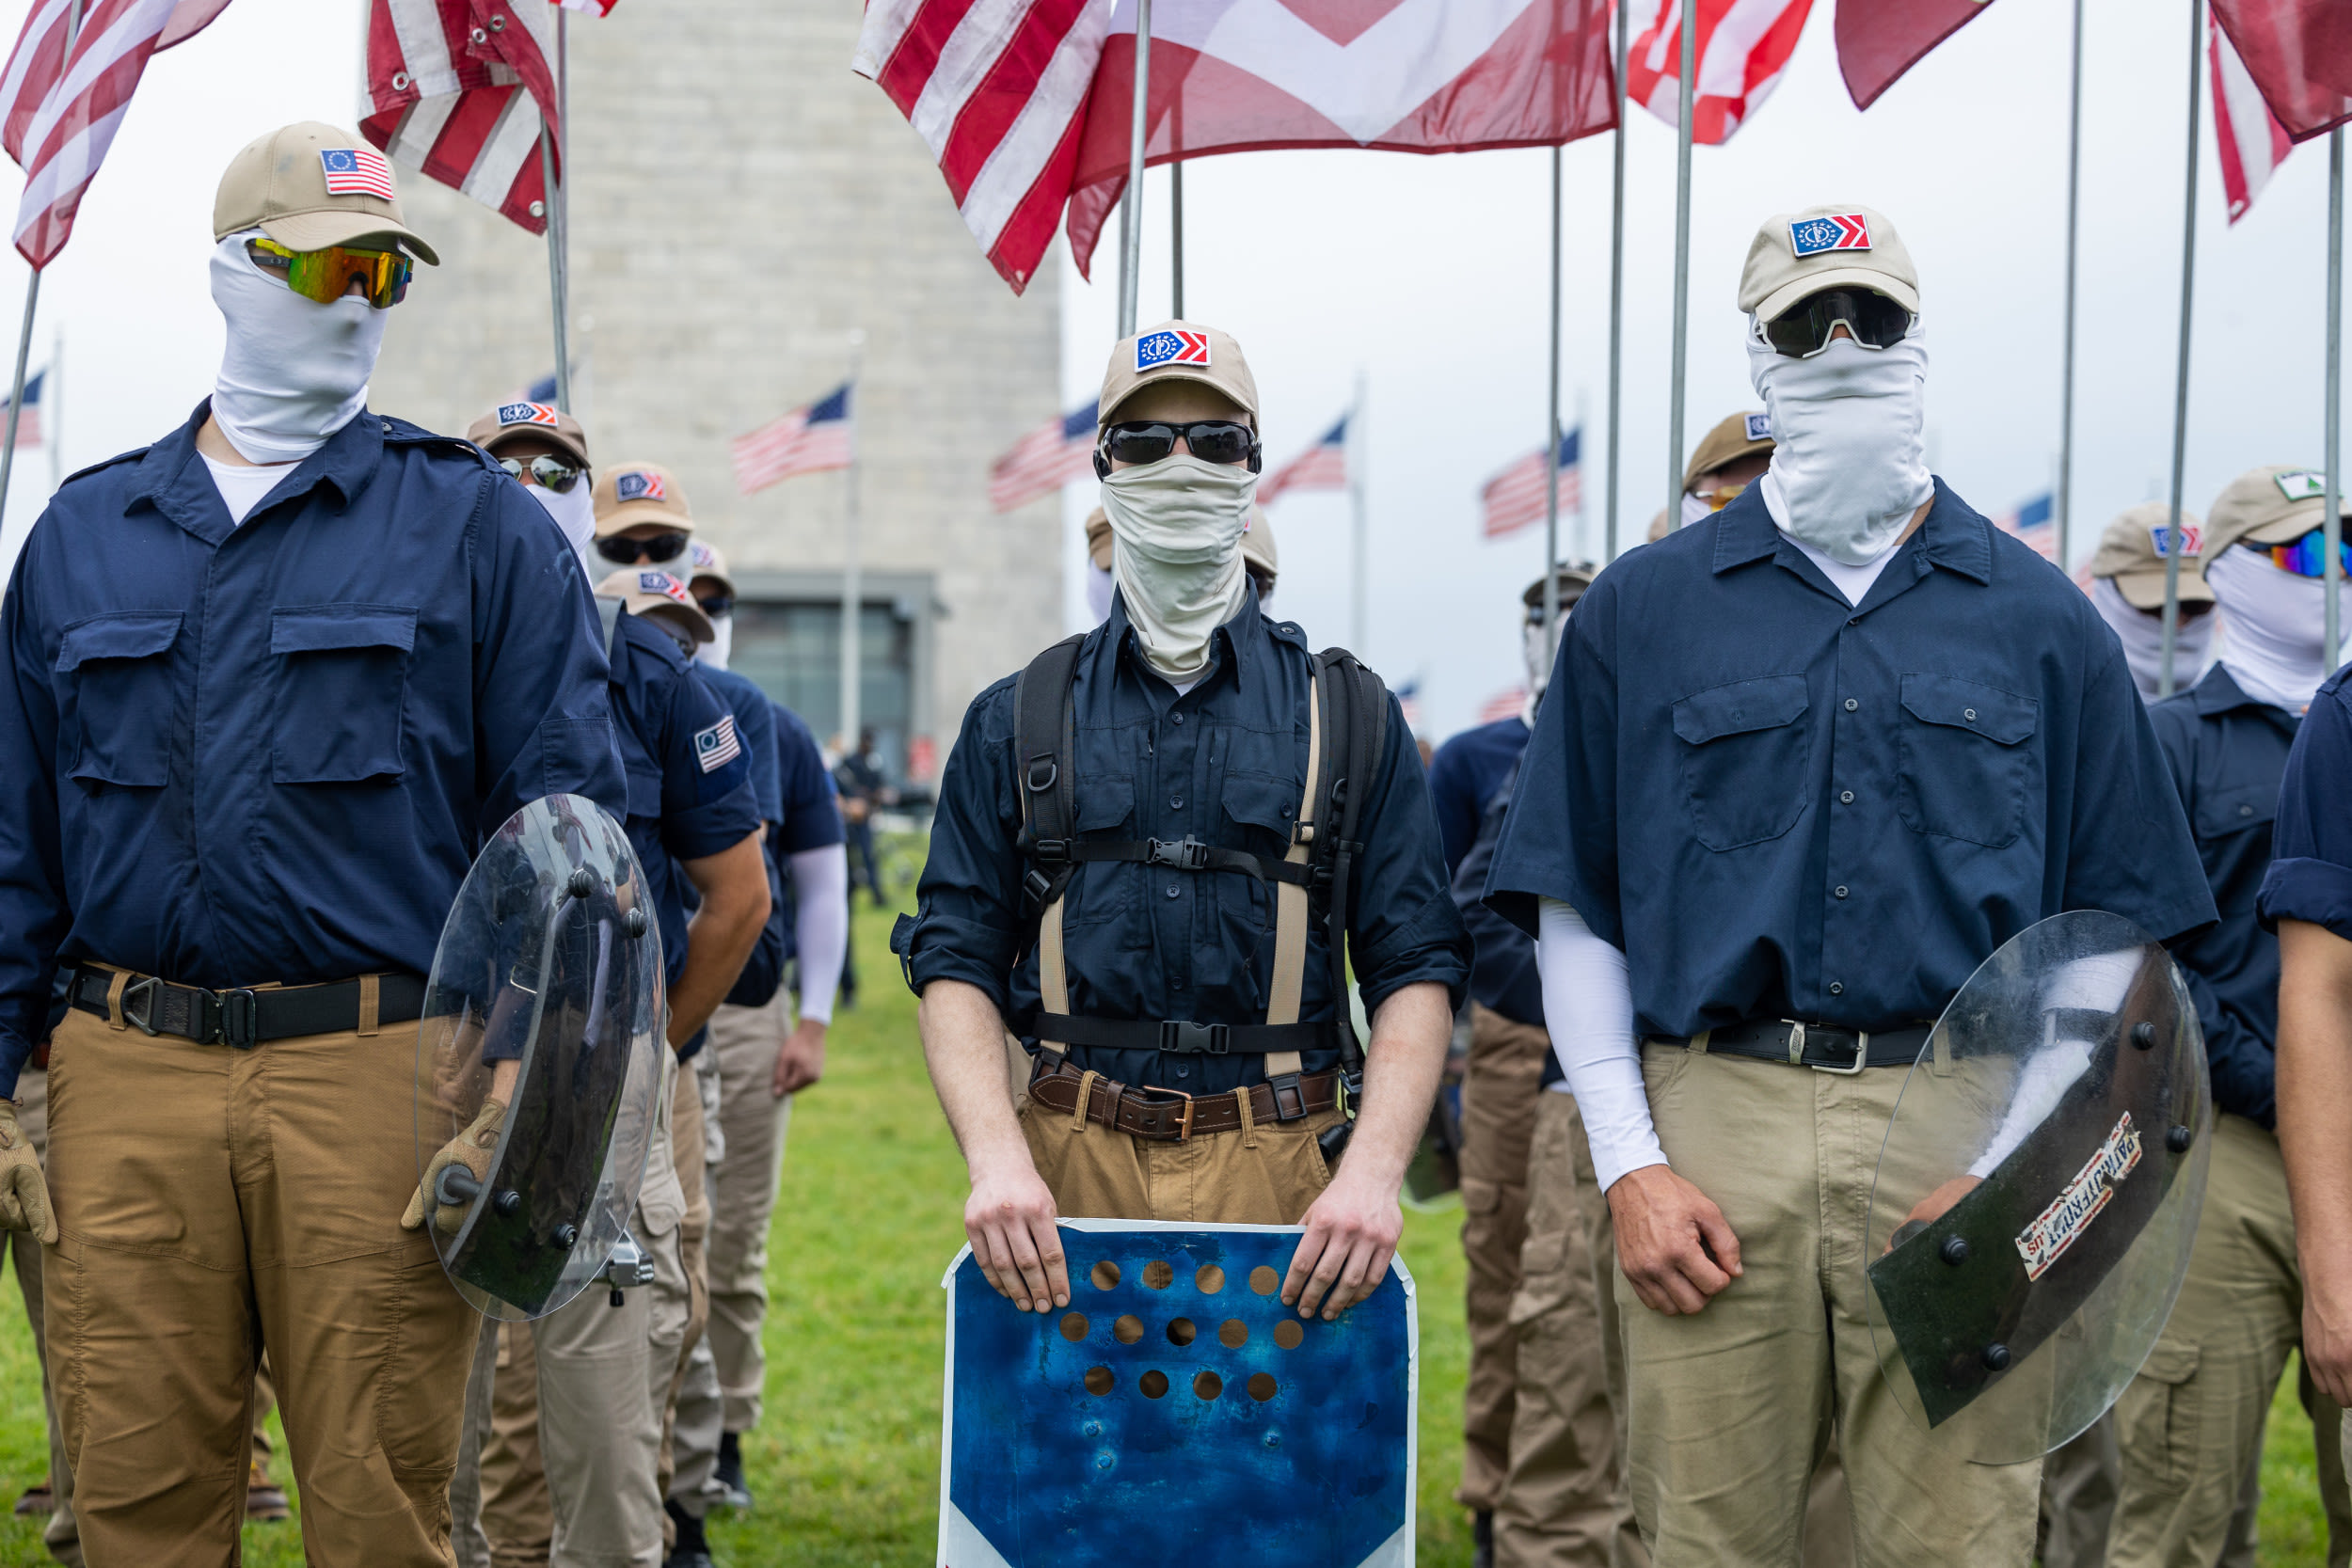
630,494
1796,254
2128,554
2268,506
1575,576
1177,351
703,561
542,421
651,591
278,184
1099,538
1742,436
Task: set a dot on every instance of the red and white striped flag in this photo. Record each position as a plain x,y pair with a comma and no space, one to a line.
807,440
994,87
2299,53
1518,497
1044,460
1743,46
458,89
57,118
1321,467
594,8
1503,705
2249,138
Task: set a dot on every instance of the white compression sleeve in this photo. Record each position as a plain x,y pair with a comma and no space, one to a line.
1588,1006
821,924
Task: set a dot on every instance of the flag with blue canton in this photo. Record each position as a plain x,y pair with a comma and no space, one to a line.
1048,456
1176,1404
527,413
1839,232
1760,427
639,486
807,440
717,746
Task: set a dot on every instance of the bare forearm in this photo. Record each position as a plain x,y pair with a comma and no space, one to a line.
734,888
2315,1098
1402,1065
963,1045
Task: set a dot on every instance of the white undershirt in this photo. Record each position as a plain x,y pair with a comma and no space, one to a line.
1853,581
242,485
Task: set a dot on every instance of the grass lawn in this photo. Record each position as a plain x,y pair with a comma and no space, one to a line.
845,1466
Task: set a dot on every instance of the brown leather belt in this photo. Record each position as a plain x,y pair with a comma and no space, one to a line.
1170,1115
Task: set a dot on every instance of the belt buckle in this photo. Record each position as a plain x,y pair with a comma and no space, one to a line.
1184,1127
1861,1057
240,1018
145,988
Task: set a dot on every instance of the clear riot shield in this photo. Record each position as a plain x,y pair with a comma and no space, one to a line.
537,1059
2039,1189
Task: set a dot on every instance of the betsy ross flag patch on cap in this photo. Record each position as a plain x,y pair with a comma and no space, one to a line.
1169,347
1840,231
357,171
715,746
1760,427
638,485
527,413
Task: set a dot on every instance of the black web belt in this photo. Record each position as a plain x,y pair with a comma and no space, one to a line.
1189,1039
242,1017
1824,1047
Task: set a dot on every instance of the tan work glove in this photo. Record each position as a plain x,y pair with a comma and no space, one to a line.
470,1148
24,1195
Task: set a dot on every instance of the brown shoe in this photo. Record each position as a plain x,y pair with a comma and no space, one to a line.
36,1499
265,1499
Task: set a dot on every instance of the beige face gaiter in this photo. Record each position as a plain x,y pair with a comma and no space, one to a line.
1176,528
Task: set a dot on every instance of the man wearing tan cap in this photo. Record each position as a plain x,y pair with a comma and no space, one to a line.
2127,588
1802,767
275,678
1187,1019
1731,457
546,451
2190,1426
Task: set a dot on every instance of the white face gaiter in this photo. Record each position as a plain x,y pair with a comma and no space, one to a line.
1849,455
575,513
714,653
2278,624
2143,636
1176,528
294,372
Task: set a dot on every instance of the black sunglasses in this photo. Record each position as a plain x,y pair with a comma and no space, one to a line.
1804,329
627,553
718,606
1210,440
550,473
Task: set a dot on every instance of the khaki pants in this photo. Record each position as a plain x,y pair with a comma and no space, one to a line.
60,1535
214,1200
565,1413
1499,1097
1269,1173
743,1042
2192,1420
686,1146
1727,1402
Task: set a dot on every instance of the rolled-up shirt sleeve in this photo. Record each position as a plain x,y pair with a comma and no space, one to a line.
33,914
1403,928
969,924
2310,868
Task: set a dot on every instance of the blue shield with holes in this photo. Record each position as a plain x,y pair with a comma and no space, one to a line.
1177,1415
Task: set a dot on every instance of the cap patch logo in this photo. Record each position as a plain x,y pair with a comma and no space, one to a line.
1760,427
717,746
639,486
527,413
1839,232
664,584
2303,484
702,555
357,171
2192,540
1169,347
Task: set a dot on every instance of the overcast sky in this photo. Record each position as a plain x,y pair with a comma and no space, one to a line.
1428,275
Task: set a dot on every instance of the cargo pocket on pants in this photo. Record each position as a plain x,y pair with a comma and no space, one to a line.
2161,1414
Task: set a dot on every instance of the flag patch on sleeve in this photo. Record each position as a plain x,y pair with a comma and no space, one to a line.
715,746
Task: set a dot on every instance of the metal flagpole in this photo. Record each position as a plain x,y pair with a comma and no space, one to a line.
852,586
2065,487
32,302
1551,423
553,207
1682,262
2331,519
1131,227
1616,293
1176,238
2180,388
1359,609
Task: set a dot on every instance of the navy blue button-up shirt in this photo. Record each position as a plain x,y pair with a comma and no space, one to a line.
2310,870
235,754
2227,752
1463,775
1782,805
1225,762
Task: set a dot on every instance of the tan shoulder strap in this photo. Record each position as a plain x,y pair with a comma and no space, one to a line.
1290,900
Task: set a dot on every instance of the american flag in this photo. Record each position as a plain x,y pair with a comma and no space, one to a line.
357,171
1408,703
2031,524
57,119
2249,136
594,8
1514,499
28,422
456,90
1743,46
1321,467
995,88
2299,54
809,440
1044,460
1503,705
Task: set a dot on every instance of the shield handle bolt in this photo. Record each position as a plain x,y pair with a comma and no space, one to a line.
2178,1140
2144,1035
508,1203
584,883
1996,1357
635,923
565,1235
1954,1251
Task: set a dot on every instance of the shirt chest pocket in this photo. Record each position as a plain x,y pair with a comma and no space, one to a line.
1261,809
1965,762
115,710
2228,823
1744,759
1106,893
342,678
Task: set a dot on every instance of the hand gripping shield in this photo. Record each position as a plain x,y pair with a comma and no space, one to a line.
537,1059
2039,1189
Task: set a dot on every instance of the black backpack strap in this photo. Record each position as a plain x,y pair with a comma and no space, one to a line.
1355,706
1044,748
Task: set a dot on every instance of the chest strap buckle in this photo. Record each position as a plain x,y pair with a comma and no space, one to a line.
1186,854
1200,1040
